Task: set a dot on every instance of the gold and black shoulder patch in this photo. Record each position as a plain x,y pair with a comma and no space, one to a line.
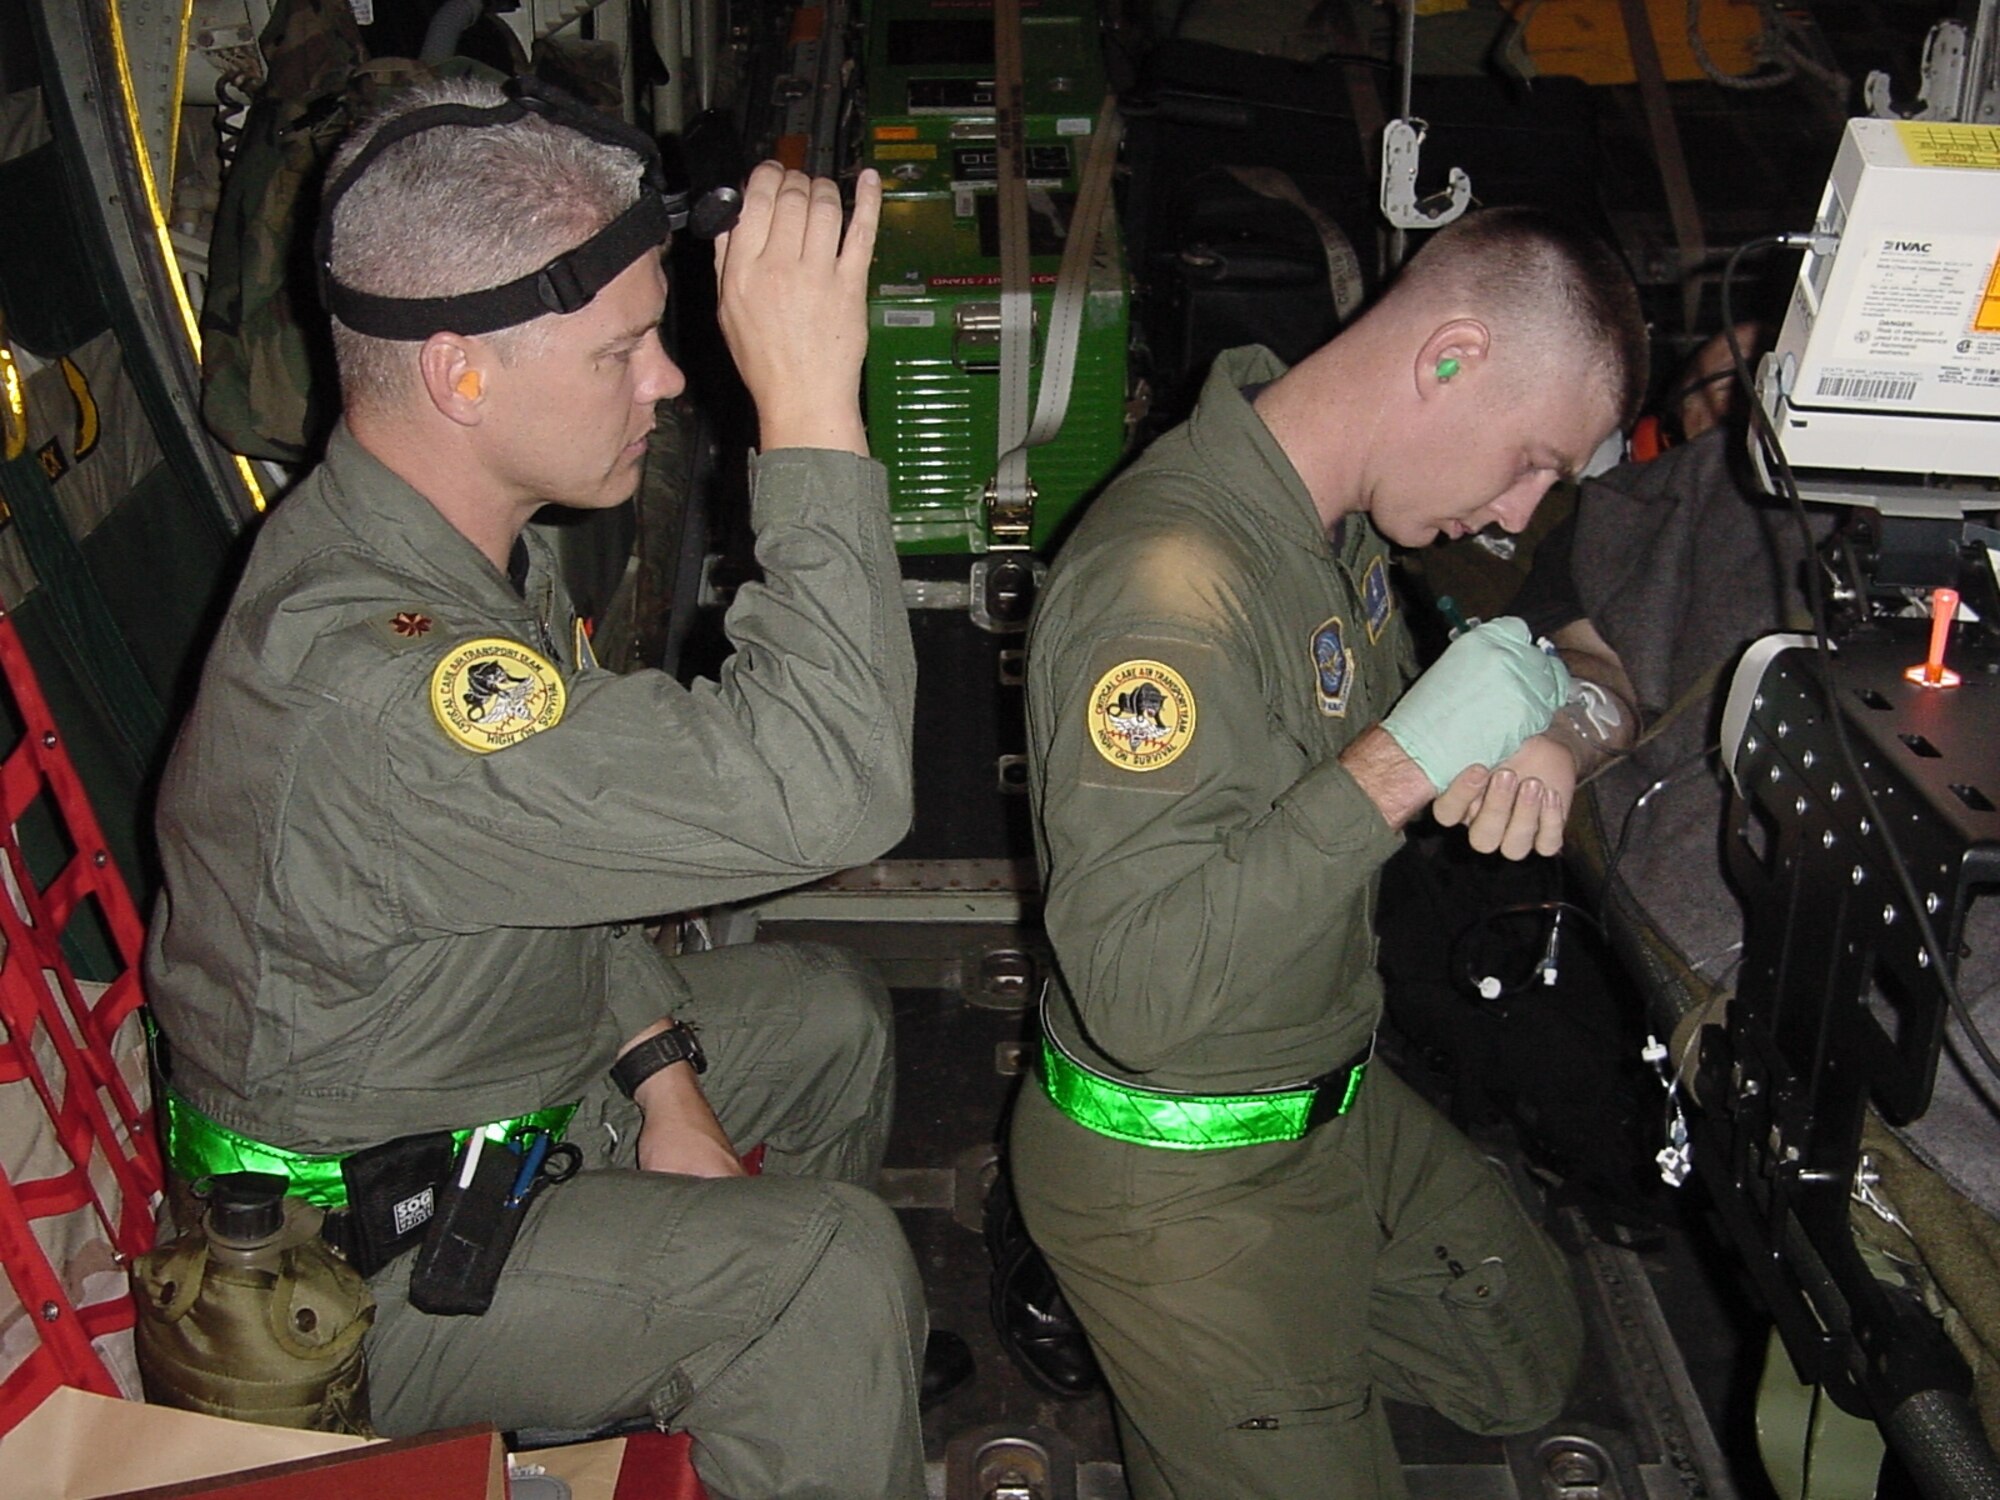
1142,715
490,693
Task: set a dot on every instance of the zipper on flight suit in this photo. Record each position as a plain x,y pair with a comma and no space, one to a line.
542,607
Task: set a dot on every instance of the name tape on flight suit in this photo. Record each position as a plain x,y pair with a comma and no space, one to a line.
1141,715
491,693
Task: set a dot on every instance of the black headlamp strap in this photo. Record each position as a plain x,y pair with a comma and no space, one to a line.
564,285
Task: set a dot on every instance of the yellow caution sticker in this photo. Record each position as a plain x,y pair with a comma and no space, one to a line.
88,423
1141,715
1986,316
491,693
13,403
920,151
1931,144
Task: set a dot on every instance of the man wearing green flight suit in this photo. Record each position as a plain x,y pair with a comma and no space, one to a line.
410,828
1262,1230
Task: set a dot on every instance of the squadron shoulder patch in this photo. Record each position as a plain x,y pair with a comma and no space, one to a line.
1378,600
491,693
1333,667
1141,715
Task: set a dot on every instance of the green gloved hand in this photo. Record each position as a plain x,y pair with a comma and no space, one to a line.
1492,689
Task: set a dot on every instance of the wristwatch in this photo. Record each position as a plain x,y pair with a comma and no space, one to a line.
661,1050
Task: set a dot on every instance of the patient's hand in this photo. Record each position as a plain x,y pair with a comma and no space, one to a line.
1519,807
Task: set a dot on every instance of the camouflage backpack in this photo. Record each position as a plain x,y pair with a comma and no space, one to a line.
268,383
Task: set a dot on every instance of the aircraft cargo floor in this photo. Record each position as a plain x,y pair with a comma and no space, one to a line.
1672,1349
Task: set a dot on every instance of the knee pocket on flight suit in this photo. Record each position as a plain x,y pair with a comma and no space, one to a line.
869,1258
1267,1407
1475,1316
863,1278
836,1015
1283,1440
850,1007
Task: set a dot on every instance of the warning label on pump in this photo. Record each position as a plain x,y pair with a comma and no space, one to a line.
1940,145
1987,318
1915,324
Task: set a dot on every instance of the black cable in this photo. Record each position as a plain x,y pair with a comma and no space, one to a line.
1713,377
1461,971
1660,783
1781,470
1806,1455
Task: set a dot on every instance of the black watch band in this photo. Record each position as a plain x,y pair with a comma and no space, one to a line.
661,1050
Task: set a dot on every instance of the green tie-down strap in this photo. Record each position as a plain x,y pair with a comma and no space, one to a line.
1194,1122
198,1148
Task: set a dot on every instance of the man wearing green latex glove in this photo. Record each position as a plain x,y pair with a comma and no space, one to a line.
1263,1232
1491,691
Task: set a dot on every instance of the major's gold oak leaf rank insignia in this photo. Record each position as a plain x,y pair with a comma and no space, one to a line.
1141,715
491,693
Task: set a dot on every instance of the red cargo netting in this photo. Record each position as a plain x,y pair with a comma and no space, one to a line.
79,1169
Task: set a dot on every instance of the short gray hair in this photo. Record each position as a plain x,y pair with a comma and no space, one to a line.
459,209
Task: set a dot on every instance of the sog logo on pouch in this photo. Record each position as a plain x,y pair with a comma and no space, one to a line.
414,1210
492,693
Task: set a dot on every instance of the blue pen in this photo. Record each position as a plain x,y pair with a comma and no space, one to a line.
531,1163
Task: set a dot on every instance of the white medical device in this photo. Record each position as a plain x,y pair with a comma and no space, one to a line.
1884,386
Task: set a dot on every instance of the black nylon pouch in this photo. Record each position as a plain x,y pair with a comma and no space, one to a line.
392,1196
460,1260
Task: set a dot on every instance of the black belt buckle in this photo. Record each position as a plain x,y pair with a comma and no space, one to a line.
1330,1090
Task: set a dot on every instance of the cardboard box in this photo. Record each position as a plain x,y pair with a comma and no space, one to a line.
79,1446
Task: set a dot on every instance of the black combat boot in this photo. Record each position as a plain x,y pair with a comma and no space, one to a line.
1036,1327
947,1366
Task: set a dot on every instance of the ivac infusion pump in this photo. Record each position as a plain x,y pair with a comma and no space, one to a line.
1885,383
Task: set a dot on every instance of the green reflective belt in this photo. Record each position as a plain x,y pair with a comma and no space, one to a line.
1195,1122
197,1147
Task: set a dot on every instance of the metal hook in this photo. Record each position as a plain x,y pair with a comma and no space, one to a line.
1401,141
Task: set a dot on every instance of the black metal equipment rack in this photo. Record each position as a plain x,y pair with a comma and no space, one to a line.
1840,1005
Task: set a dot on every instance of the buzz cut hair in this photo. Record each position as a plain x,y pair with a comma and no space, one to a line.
1536,270
460,209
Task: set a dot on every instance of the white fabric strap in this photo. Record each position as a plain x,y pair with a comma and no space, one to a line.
1008,493
1086,233
1011,493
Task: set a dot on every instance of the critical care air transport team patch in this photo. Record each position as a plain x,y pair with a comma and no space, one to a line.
491,693
1141,715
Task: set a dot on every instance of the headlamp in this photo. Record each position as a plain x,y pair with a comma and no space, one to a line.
566,283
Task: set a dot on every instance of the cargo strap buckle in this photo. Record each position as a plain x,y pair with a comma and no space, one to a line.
1010,516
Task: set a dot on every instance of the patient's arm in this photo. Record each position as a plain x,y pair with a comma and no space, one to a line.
1522,806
